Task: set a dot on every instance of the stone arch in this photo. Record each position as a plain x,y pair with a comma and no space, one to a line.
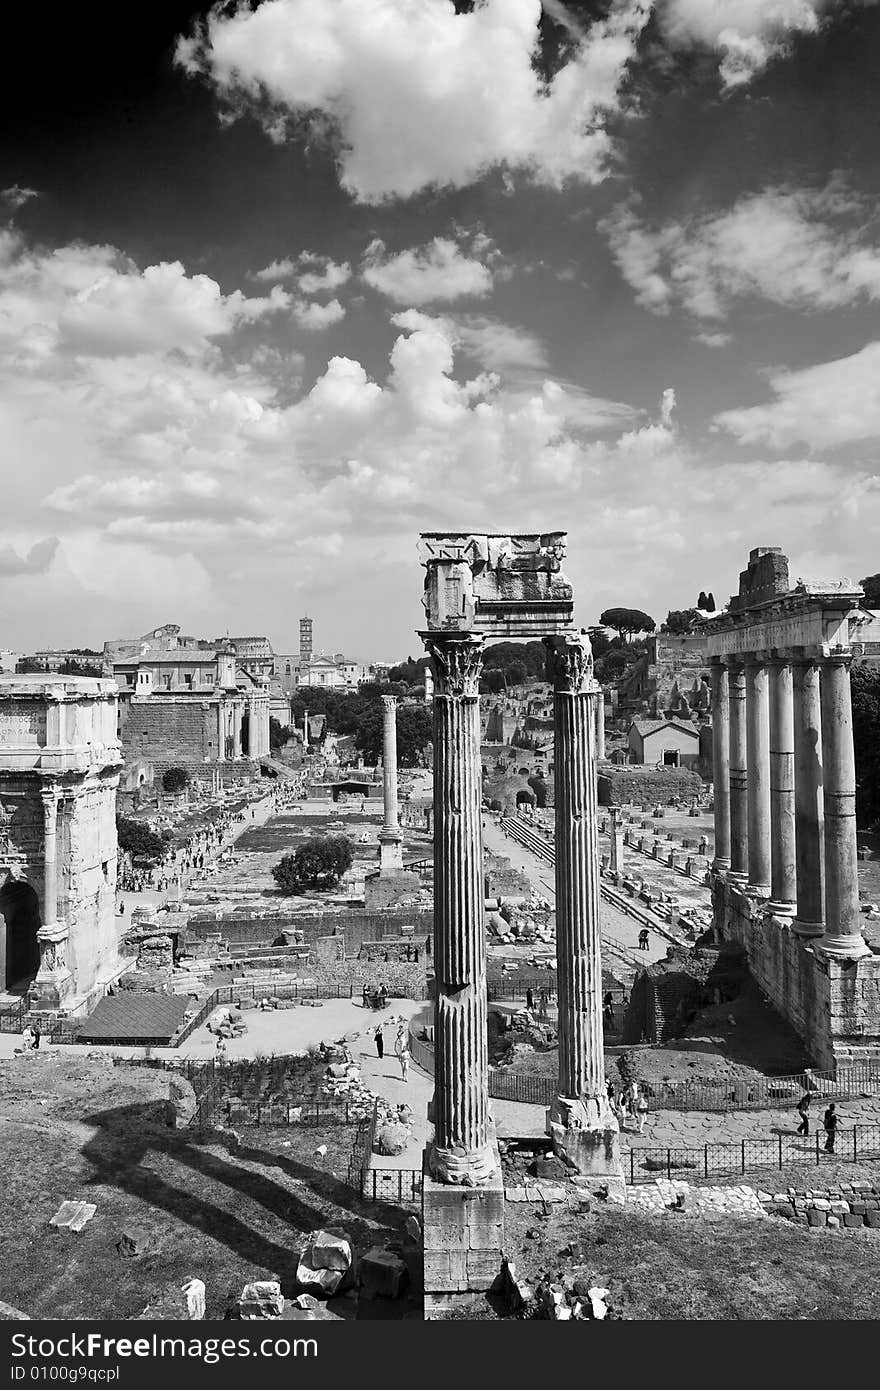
524,797
20,908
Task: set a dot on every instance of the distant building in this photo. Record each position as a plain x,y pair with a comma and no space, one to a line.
664,743
9,661
674,665
84,657
184,701
253,654
306,635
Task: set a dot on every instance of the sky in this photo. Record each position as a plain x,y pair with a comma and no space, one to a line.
283,285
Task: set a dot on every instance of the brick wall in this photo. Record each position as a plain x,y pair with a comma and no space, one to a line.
617,787
170,733
356,926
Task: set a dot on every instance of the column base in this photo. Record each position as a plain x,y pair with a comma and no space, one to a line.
54,983
457,1167
781,909
738,879
810,931
463,1233
758,890
849,947
721,864
586,1136
390,850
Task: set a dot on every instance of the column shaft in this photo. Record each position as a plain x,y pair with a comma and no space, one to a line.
389,761
600,724
739,808
721,765
758,781
462,1148
843,930
783,880
50,862
809,802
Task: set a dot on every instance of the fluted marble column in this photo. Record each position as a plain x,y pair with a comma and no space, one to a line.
581,1122
758,787
721,765
390,838
809,801
843,924
783,874
236,728
462,1150
600,724
54,980
739,805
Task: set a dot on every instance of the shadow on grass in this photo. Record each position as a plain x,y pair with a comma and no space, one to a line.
126,1138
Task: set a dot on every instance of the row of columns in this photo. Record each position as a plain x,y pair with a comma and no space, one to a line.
784,779
232,722
462,1149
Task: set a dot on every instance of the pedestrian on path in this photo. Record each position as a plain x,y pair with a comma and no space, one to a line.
380,1041
803,1109
830,1123
530,999
641,1113
37,1035
643,939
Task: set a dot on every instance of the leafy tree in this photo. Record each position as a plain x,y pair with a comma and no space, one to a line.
710,602
681,620
410,672
613,664
138,839
28,666
866,737
871,586
319,863
492,682
278,735
599,641
174,779
80,668
701,601
627,621
414,733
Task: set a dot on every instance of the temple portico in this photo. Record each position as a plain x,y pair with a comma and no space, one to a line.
785,793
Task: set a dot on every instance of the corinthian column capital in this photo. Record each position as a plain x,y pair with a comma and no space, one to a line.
570,663
389,703
457,660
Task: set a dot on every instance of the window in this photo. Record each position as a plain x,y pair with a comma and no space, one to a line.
670,757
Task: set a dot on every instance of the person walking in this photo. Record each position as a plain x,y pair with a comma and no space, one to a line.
830,1122
37,1036
380,1041
803,1109
641,1112
530,1000
221,1051
401,1049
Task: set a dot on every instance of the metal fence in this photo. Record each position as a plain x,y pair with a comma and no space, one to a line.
861,1144
362,1150
763,1092
392,1184
12,1017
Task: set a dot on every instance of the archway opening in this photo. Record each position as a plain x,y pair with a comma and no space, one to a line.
20,908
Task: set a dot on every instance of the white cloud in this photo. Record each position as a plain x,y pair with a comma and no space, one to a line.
314,316
15,197
824,406
276,270
800,248
748,34
438,272
713,339
326,275
414,95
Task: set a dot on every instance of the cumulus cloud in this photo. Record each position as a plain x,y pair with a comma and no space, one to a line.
439,271
320,273
314,316
35,561
461,92
802,248
748,34
276,270
823,406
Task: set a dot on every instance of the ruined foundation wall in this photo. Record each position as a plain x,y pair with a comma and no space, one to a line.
834,1006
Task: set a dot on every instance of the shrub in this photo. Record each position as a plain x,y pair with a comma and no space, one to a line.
319,863
138,839
174,779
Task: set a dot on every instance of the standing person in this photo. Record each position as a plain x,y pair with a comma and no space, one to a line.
530,999
643,939
608,1011
401,1050
27,1037
37,1035
830,1122
221,1050
803,1109
641,1112
380,1041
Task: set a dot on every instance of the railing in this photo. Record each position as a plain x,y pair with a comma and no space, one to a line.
362,1151
392,1184
527,1090
860,1144
12,1017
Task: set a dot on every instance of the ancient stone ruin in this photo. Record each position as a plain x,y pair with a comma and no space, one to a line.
478,587
785,869
60,760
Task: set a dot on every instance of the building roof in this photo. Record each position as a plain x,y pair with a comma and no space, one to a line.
646,727
135,1016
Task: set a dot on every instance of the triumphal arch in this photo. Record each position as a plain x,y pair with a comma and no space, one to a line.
478,587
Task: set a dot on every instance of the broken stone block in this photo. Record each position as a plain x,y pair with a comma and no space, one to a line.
413,1228
391,1138
261,1299
383,1274
134,1240
325,1262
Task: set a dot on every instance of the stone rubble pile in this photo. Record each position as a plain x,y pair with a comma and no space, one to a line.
677,1195
849,1206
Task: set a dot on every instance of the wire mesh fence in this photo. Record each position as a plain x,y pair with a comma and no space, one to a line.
860,1144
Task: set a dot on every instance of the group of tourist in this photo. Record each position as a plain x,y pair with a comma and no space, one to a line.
628,1104
830,1120
401,1046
